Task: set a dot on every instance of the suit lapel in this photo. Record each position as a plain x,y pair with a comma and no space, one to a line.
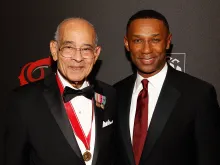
124,104
99,116
54,100
165,104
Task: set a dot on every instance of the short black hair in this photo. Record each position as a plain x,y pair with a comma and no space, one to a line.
148,14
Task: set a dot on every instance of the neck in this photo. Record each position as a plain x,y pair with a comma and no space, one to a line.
76,84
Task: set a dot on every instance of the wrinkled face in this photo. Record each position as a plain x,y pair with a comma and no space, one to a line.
75,34
147,41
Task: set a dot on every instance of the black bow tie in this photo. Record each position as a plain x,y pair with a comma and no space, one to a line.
70,93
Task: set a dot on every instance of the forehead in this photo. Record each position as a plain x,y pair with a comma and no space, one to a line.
78,32
147,26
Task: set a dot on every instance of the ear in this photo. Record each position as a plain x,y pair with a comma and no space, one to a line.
54,49
169,38
126,43
97,53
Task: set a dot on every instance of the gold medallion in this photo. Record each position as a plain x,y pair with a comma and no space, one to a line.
87,156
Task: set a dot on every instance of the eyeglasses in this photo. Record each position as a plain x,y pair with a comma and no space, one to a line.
69,51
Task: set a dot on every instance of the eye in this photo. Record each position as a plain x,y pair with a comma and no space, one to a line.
155,40
137,40
67,48
87,50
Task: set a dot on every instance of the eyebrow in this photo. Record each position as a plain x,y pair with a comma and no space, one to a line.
88,45
67,42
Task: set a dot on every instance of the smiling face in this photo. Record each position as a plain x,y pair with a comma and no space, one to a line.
75,33
147,40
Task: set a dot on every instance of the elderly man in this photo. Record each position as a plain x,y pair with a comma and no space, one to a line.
64,119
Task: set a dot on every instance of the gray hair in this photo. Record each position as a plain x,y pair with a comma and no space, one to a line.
56,36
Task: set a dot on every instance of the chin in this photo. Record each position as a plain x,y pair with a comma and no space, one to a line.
75,79
147,70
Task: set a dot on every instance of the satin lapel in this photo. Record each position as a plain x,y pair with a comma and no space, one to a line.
99,116
52,96
165,104
124,113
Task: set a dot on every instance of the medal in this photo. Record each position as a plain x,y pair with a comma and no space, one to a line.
87,156
100,100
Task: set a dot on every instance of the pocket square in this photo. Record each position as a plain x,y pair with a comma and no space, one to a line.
107,123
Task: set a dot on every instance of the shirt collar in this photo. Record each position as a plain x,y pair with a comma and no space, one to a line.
66,83
156,80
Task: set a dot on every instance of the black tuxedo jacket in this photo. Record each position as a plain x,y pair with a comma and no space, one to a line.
38,131
185,126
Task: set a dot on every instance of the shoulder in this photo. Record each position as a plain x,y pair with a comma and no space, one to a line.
189,85
27,91
37,86
124,82
187,80
33,86
25,98
104,87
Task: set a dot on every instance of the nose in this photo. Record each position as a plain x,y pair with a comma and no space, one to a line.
77,56
147,47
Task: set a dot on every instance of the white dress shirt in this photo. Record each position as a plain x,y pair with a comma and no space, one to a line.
83,110
154,87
